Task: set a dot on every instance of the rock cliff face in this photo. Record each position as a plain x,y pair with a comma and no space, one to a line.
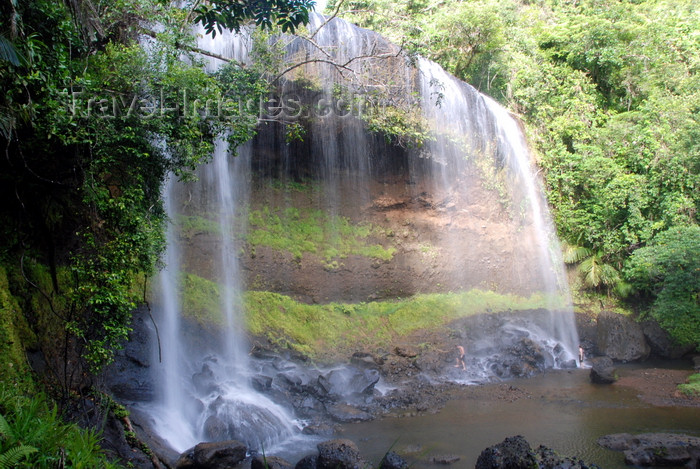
405,181
418,240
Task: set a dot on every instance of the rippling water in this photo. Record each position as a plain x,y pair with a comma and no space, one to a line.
564,411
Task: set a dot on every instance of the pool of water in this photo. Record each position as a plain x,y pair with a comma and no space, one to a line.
562,410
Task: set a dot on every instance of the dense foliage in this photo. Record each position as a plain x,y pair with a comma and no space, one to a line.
92,122
669,267
610,93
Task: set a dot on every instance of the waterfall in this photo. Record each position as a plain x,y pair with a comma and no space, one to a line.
466,199
206,393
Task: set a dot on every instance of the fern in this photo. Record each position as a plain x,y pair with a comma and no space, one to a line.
5,429
10,458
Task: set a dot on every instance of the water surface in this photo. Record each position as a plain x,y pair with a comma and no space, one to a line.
561,410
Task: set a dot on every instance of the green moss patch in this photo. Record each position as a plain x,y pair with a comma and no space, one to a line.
191,225
334,330
300,231
692,387
331,331
201,299
14,332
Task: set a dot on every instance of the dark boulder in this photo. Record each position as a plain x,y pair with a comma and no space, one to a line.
339,454
269,462
289,380
261,383
549,459
602,370
655,449
219,455
661,343
696,364
406,351
216,429
392,460
621,337
129,376
513,452
308,462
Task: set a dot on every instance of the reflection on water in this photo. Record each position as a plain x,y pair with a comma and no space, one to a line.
564,411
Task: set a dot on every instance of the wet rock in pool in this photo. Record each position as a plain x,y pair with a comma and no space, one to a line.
269,462
602,370
320,429
219,455
392,460
308,462
655,449
515,453
339,454
345,413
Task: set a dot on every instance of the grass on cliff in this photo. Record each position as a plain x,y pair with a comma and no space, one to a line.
338,329
300,231
327,331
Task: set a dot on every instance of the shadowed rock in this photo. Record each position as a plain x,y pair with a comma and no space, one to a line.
392,460
602,370
661,342
269,462
307,462
339,454
655,449
219,455
515,453
621,337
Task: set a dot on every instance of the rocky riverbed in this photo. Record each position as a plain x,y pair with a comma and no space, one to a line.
416,377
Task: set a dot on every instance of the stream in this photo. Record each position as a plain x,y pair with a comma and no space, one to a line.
561,410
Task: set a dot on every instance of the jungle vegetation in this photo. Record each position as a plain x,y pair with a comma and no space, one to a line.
610,95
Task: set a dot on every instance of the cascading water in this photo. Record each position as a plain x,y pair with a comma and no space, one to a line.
206,393
473,143
470,126
475,150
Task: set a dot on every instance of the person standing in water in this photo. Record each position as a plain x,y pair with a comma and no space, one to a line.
460,358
